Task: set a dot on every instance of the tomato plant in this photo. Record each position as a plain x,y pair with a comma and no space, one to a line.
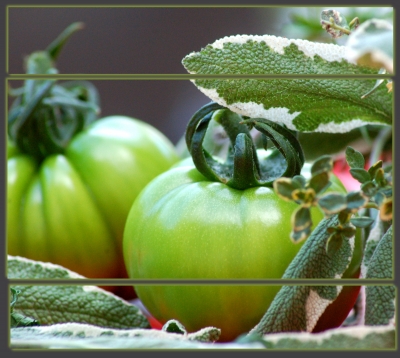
185,226
72,178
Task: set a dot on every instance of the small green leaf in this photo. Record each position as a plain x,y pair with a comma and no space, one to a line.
379,198
319,182
355,201
360,174
354,158
284,187
324,163
369,188
301,224
333,244
362,221
332,203
299,181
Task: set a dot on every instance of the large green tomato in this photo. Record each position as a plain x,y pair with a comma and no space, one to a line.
71,209
183,226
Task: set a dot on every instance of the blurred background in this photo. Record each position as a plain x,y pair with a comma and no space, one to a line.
134,40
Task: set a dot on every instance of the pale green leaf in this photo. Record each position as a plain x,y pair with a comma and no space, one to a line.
84,336
380,265
380,305
346,338
23,268
298,308
50,304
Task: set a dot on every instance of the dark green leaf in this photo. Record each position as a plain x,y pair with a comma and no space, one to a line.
333,244
324,163
369,188
379,198
299,180
332,203
319,181
360,174
301,223
284,187
362,221
354,158
355,201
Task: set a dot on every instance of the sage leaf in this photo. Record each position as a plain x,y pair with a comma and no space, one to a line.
332,203
306,105
354,158
298,308
361,175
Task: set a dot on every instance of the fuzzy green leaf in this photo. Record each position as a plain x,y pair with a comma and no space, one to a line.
354,158
305,105
298,307
360,175
355,201
51,304
319,182
362,221
333,244
332,203
301,223
324,163
284,187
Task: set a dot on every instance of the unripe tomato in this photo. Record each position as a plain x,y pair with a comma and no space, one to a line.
183,226
70,209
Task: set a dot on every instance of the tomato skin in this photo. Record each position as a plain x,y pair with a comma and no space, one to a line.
71,208
208,230
184,226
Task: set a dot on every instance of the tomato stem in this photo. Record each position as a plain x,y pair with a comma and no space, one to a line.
242,168
45,116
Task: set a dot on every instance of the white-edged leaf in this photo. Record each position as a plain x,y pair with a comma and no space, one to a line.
298,308
306,105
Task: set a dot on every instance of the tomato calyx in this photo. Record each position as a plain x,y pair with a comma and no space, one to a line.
45,115
242,168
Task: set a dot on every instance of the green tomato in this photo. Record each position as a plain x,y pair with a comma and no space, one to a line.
183,226
71,208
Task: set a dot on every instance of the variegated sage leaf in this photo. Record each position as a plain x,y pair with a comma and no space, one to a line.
298,308
361,175
307,105
332,203
345,338
50,304
84,336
